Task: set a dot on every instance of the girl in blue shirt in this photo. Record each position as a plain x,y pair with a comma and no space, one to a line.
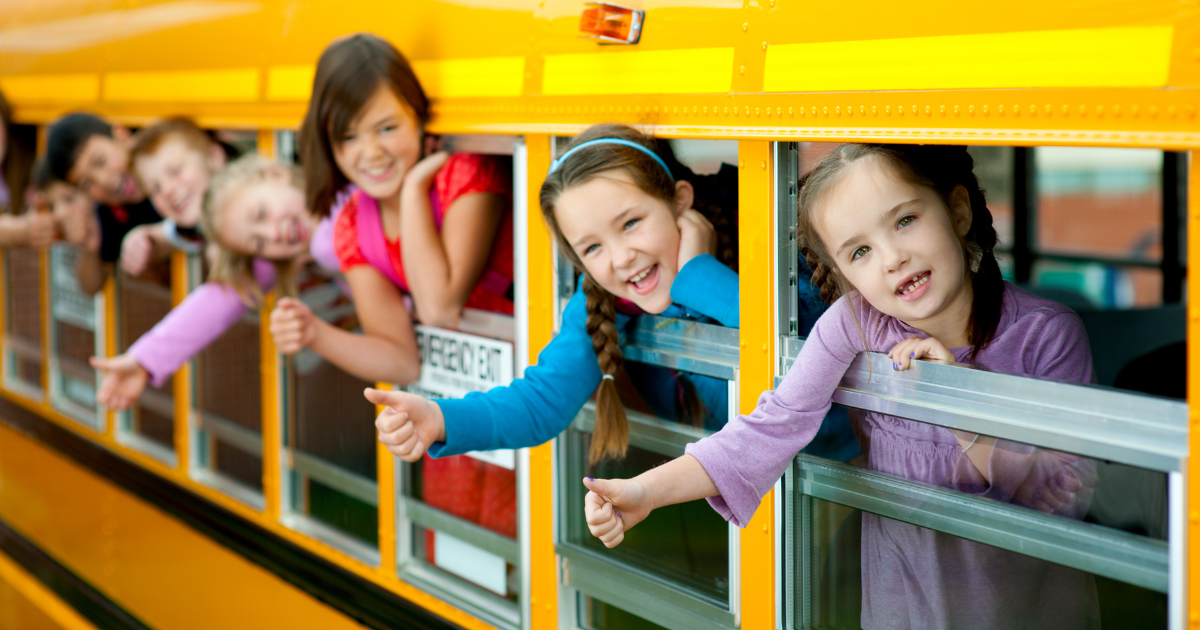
624,211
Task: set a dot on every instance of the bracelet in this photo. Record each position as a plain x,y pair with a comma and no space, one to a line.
971,444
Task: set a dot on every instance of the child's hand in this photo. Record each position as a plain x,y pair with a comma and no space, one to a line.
409,424
420,176
613,506
42,230
124,380
913,348
1057,482
293,325
136,249
696,236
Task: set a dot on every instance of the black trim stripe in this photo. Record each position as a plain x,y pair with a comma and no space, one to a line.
77,593
366,602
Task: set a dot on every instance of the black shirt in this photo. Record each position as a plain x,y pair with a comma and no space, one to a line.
117,221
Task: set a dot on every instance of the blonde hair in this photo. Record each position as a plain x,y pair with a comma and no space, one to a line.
234,269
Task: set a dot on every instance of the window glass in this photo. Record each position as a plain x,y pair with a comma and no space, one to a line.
23,330
598,615
140,305
73,340
329,435
850,584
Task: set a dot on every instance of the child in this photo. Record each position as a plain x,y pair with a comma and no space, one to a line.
622,209
901,238
16,159
71,214
253,246
87,152
364,127
172,162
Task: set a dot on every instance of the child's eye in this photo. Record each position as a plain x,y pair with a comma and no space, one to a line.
906,221
347,138
590,248
261,214
630,223
860,252
387,128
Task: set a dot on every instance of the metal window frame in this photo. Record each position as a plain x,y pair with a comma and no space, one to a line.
1104,423
94,419
477,601
13,348
150,398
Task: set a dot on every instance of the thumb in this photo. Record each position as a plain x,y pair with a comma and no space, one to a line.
380,397
604,487
100,363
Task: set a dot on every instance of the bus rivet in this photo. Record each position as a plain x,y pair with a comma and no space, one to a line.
764,45
742,70
764,347
764,165
742,343
765,530
745,26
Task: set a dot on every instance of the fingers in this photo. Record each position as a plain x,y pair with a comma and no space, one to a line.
99,363
399,435
603,521
381,397
914,348
288,325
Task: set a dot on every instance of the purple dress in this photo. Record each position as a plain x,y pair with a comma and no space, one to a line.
914,577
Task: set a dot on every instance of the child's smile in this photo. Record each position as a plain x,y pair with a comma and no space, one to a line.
899,245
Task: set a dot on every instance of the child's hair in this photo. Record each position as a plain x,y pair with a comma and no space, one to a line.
67,138
18,156
940,168
149,139
348,74
611,435
233,269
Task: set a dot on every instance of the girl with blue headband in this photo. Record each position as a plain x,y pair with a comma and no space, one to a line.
639,226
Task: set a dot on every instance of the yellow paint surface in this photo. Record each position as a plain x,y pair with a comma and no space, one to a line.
53,88
290,83
138,556
689,71
1100,57
190,86
756,270
461,78
27,604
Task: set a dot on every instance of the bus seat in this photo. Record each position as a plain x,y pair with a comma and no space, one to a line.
1129,334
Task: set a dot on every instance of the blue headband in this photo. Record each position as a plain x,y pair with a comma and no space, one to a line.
626,143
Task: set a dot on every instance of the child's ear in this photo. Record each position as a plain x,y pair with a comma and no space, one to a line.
960,210
216,158
685,195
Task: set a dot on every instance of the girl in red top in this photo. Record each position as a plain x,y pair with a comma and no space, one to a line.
438,229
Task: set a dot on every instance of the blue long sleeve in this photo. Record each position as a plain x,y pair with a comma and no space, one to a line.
706,287
533,409
542,404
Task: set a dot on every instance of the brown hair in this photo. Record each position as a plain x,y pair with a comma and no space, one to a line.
349,73
939,168
611,435
233,269
149,139
18,157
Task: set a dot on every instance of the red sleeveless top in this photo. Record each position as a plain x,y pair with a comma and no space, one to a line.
463,173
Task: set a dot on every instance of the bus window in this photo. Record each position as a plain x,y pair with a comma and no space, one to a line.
329,478
458,517
678,572
149,425
75,319
23,325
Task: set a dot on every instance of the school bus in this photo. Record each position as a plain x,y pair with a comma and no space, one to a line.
250,492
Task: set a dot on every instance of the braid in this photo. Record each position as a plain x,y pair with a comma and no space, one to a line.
610,439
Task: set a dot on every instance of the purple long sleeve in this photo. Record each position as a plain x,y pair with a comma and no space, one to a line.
203,316
914,577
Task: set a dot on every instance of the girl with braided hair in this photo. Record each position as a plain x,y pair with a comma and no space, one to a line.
900,240
627,214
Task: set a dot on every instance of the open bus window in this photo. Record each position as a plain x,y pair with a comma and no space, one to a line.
458,519
678,384
149,425
75,319
23,324
330,487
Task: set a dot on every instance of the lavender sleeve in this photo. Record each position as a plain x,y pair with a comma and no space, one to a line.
199,320
745,458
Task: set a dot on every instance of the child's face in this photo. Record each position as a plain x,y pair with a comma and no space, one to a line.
73,210
379,147
101,170
628,241
898,243
267,219
175,176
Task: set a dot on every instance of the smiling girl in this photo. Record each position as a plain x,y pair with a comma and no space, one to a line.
622,208
901,241
437,228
